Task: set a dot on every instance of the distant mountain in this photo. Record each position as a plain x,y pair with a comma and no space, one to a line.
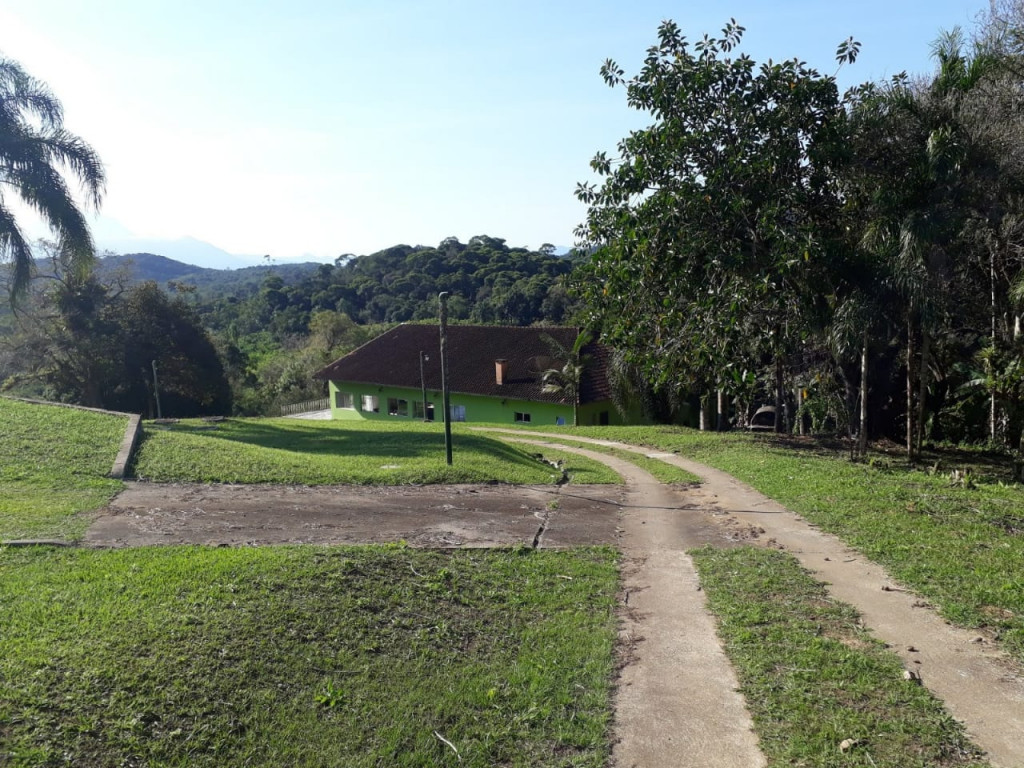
139,267
184,249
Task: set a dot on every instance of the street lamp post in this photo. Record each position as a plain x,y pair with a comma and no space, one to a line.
423,384
156,392
445,394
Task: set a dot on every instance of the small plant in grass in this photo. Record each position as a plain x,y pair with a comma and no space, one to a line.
330,696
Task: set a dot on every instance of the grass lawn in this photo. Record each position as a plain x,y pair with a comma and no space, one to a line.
357,656
813,678
53,464
368,656
305,656
962,548
322,453
666,473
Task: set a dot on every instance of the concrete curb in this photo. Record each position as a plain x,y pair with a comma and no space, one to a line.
37,543
128,444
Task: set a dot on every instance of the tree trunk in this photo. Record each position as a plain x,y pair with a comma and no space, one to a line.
800,419
993,416
92,397
705,412
910,387
850,401
779,397
863,436
922,386
720,415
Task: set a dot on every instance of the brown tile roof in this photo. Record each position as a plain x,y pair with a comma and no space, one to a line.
393,359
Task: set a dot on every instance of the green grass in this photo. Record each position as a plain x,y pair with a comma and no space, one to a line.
319,453
962,548
665,473
305,656
813,678
53,465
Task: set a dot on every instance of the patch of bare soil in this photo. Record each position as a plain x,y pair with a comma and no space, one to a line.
147,514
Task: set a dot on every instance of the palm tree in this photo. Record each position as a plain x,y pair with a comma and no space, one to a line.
926,166
35,152
566,380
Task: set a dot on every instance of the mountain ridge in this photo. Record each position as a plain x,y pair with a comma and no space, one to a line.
140,267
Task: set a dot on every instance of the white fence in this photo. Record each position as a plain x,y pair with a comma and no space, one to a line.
322,404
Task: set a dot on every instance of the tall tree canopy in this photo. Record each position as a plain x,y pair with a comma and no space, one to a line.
766,236
713,227
35,151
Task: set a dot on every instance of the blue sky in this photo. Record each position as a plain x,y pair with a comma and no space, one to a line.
314,128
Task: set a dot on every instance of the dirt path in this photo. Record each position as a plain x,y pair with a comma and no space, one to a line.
677,701
980,685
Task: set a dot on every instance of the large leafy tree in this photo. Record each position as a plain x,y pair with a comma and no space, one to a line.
36,151
714,228
87,341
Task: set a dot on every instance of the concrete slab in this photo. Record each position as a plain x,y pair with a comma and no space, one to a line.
147,514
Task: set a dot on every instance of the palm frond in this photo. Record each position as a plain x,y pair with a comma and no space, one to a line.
14,247
37,154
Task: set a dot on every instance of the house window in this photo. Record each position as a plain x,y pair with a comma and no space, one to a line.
417,410
458,413
397,407
522,418
344,400
371,404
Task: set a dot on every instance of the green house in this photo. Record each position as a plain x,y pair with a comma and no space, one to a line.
495,375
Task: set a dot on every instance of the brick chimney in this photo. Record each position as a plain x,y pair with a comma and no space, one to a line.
500,371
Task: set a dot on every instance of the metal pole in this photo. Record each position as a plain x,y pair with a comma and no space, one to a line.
423,384
445,394
156,392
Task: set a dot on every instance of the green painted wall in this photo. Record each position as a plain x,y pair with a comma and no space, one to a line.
591,415
477,408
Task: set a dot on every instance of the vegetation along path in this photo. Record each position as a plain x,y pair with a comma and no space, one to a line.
978,683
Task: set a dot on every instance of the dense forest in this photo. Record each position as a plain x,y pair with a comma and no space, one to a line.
855,260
